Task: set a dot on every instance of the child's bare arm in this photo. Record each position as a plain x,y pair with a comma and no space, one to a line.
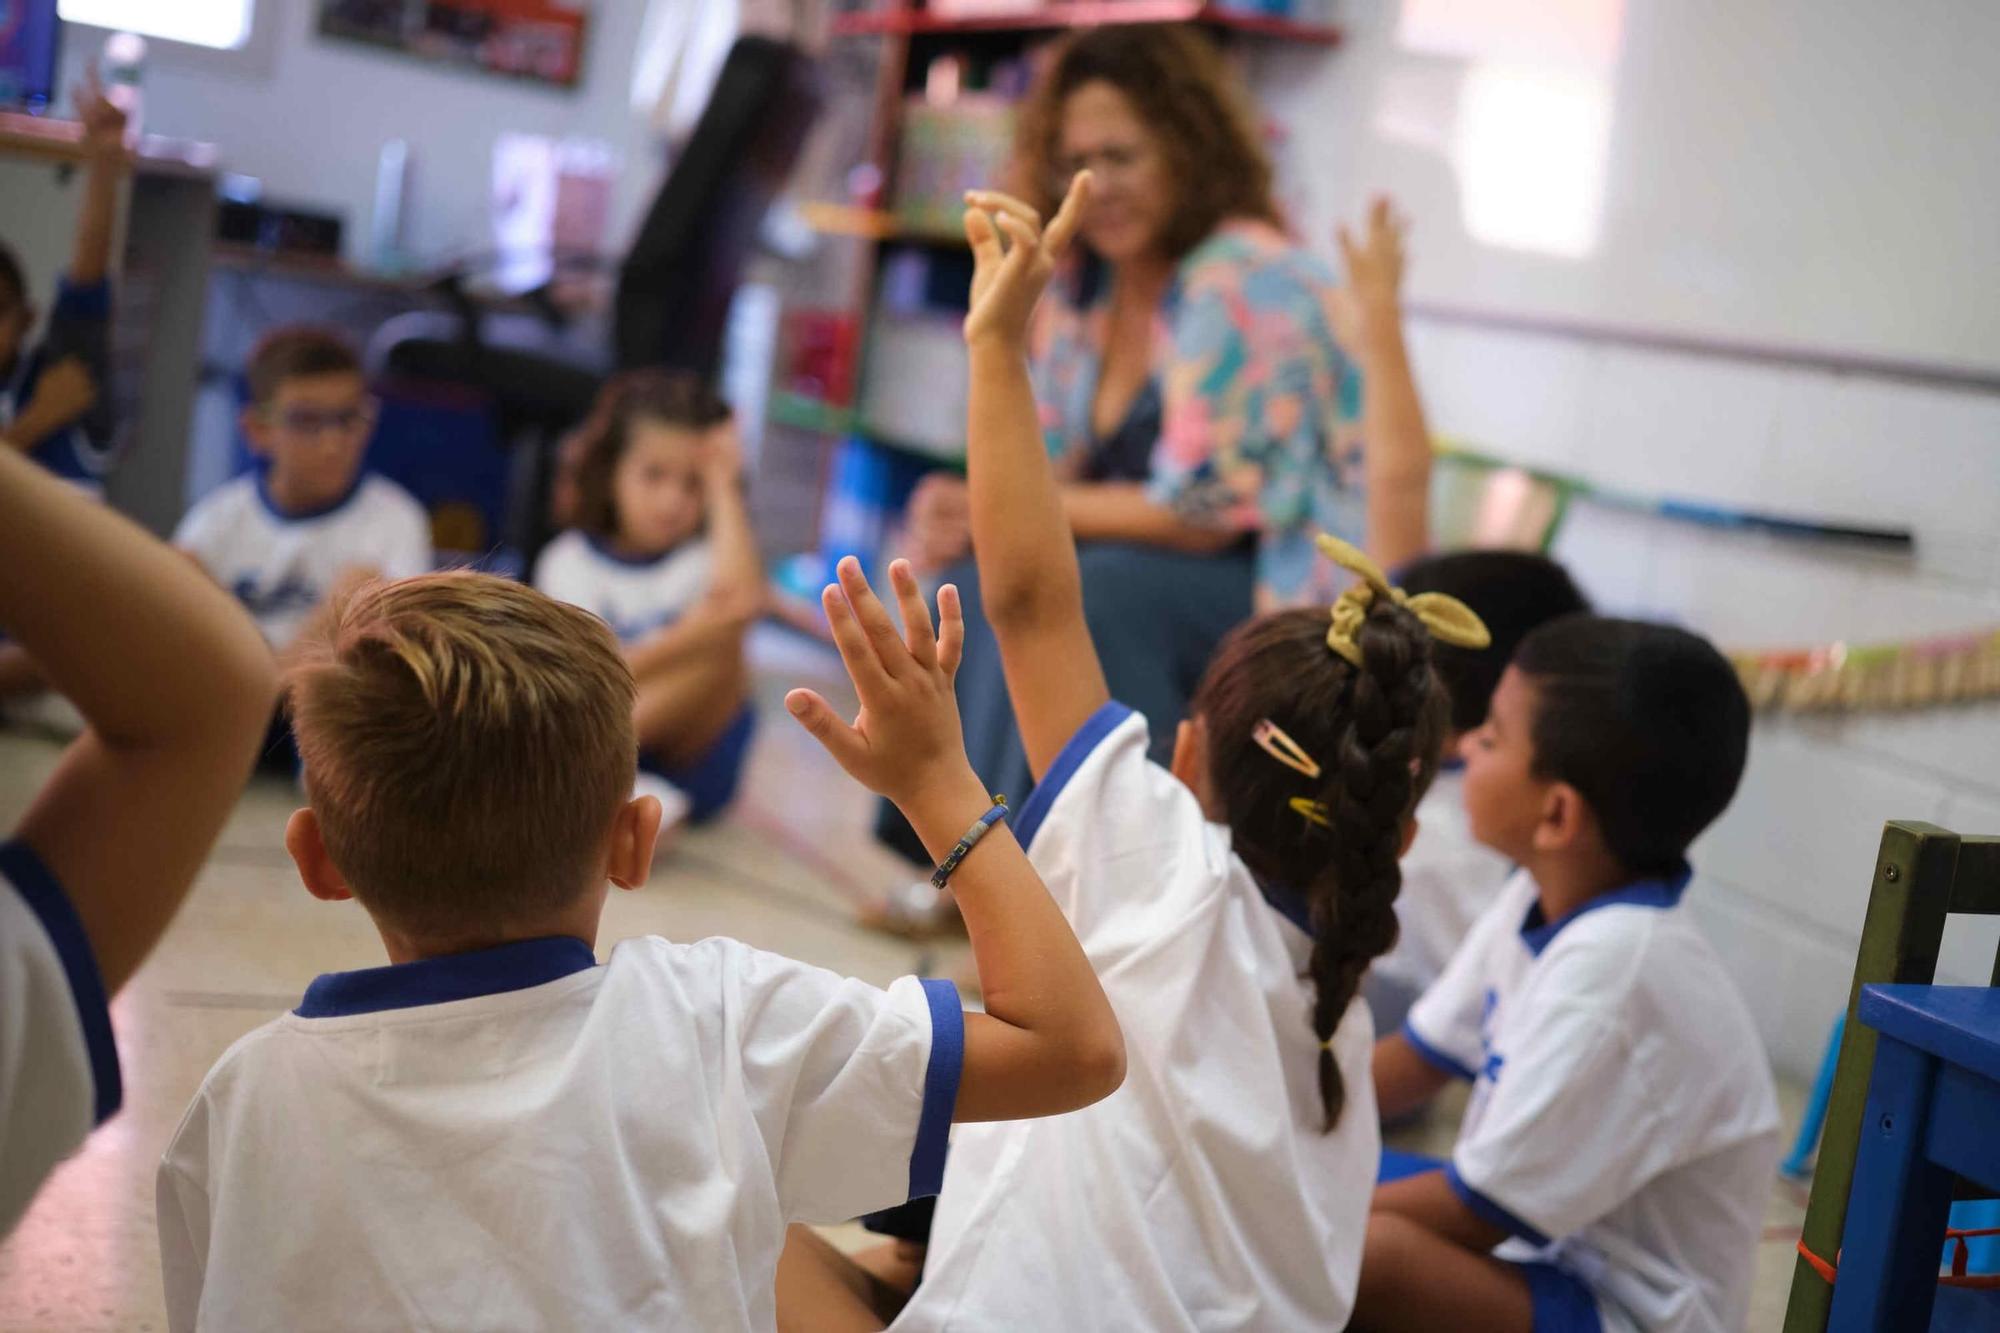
1029,581
1368,319
738,568
1404,1080
1048,1041
175,682
104,150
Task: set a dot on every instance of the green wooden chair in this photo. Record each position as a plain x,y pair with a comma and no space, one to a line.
1922,874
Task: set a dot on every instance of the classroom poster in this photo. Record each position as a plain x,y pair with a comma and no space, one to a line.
526,39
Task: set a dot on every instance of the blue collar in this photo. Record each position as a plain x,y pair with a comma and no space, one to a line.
458,976
1662,893
606,551
1287,903
305,515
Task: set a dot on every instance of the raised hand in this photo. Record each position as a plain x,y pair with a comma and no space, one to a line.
103,120
1008,277
722,455
1374,264
906,742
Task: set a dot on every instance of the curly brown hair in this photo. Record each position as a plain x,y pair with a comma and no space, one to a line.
1177,82
670,397
1377,732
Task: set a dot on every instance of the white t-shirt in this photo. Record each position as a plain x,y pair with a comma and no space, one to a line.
1450,878
635,597
58,1066
518,1138
1202,1194
282,566
1623,1124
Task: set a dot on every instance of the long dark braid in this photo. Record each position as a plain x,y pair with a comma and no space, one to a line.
1376,732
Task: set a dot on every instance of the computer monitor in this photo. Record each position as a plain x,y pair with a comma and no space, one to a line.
30,45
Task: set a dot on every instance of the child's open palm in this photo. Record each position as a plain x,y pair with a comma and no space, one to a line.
906,738
1374,267
1008,278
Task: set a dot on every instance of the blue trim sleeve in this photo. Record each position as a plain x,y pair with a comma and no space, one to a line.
1433,1056
1077,749
1562,1302
45,898
82,300
940,1088
1488,1211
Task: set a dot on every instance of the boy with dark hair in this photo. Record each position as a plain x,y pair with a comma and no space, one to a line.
495,1131
285,538
1449,876
1623,1128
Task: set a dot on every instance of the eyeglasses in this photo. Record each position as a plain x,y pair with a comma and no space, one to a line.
1116,162
313,421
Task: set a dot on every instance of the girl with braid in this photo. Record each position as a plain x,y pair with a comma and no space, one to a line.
1229,904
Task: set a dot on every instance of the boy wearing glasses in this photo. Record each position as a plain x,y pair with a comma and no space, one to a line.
285,537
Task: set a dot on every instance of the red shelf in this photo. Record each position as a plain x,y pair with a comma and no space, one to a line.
1086,14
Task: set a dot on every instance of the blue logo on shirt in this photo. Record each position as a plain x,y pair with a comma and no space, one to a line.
289,595
1490,1060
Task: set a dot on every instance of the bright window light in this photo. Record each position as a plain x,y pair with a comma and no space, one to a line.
222,24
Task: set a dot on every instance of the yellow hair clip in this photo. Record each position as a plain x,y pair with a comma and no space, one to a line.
1448,619
1313,812
1271,738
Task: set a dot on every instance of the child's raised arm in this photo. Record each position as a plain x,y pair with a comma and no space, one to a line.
104,149
1029,582
1368,320
1048,1041
175,682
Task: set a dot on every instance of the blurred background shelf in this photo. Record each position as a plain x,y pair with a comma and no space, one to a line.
1086,14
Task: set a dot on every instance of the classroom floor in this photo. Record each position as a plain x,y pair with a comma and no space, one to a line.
783,873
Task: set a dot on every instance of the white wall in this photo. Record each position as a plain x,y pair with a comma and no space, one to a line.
1786,871
308,116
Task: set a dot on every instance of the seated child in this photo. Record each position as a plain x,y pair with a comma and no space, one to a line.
1449,877
174,687
52,401
311,522
1230,904
1623,1129
494,1131
663,550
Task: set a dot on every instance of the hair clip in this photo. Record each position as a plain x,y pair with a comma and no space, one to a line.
1272,740
1313,812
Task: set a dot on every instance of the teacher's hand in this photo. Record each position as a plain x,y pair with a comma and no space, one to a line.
938,523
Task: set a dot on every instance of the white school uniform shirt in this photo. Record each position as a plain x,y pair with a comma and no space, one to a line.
635,597
518,1138
58,1066
281,566
1450,878
1623,1123
1202,1194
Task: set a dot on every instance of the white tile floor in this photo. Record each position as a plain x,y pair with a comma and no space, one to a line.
783,873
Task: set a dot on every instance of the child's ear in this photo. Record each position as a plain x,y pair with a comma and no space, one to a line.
1190,763
1566,819
317,871
1410,829
635,830
256,429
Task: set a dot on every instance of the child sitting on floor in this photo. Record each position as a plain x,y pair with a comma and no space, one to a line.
1450,878
1230,905
493,1131
1623,1129
663,550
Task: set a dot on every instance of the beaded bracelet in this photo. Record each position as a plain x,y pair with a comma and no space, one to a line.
942,875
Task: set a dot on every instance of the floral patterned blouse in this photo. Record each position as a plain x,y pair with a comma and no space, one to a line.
1258,409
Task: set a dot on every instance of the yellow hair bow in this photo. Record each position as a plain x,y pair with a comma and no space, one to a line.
1448,619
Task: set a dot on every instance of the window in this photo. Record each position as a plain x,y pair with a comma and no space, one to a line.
221,24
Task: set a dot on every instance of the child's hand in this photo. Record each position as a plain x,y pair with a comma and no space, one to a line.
1008,280
1373,290
722,456
103,120
905,743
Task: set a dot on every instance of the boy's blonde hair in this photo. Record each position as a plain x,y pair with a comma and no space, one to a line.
466,743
